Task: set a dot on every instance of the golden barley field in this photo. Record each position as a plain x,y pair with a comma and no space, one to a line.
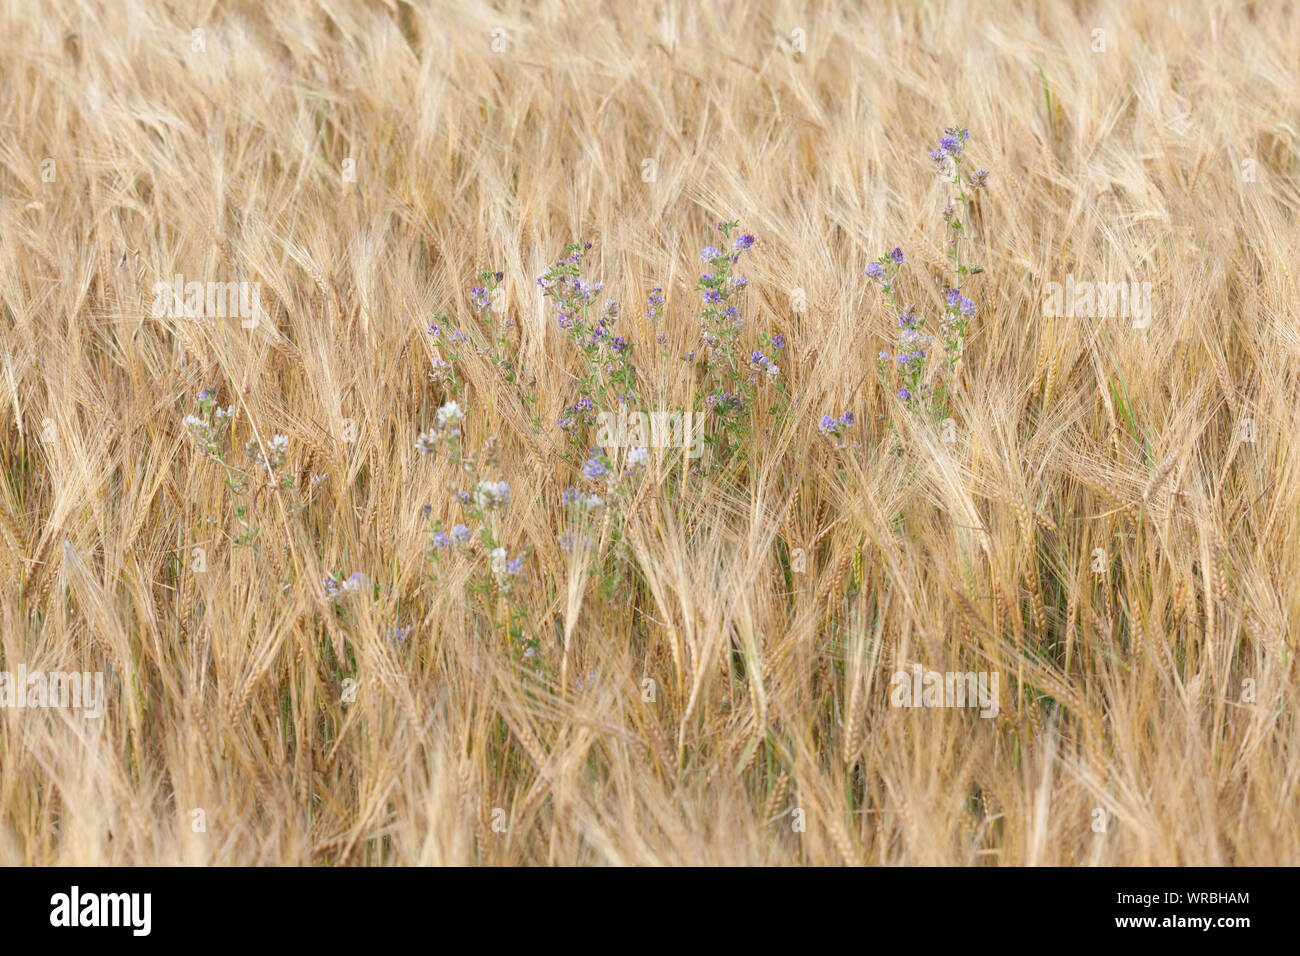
301,463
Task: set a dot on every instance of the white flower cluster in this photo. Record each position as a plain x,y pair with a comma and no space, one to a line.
338,590
205,431
448,417
584,501
492,494
275,455
505,567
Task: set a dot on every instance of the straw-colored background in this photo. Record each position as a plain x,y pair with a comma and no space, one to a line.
1126,733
